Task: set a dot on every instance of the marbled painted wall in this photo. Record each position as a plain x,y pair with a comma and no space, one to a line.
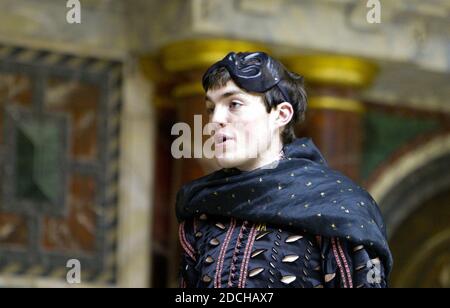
59,164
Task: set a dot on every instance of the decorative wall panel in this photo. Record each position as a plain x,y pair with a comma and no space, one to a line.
59,130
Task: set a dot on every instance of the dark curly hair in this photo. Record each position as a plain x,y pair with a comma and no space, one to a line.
292,82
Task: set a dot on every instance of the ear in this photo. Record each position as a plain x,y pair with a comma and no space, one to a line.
284,113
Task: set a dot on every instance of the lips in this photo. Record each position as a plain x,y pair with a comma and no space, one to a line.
222,138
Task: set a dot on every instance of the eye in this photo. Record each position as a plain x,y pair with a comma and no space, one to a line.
235,105
209,110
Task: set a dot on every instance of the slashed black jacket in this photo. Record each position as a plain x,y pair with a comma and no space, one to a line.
295,224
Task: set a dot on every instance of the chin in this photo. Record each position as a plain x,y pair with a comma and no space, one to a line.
230,162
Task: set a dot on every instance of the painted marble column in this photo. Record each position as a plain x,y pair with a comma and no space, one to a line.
335,112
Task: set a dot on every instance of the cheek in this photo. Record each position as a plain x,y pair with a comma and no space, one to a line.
256,128
253,123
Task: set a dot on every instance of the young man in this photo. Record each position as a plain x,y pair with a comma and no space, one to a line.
275,215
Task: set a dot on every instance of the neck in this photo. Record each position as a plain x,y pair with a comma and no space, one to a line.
272,154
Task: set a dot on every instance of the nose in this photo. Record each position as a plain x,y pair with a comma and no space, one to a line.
219,116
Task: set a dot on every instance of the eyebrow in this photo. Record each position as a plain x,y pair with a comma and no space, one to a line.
224,95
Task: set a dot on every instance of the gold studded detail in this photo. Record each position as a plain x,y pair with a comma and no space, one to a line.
262,234
358,248
221,226
293,238
203,217
261,227
329,277
214,242
288,279
256,271
206,278
290,258
198,234
257,252
209,259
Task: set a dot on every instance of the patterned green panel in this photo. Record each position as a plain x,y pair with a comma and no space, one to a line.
38,153
58,164
385,133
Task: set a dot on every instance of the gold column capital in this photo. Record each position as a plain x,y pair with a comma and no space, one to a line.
336,103
178,66
201,53
151,67
326,69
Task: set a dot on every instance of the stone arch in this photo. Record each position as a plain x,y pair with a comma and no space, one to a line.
414,195
413,179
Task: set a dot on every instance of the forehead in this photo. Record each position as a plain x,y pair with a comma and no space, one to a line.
229,89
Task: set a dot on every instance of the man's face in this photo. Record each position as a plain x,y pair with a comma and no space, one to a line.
244,130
